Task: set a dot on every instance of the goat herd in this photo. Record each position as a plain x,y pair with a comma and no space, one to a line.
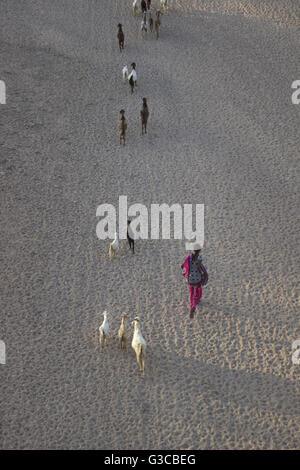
132,76
138,343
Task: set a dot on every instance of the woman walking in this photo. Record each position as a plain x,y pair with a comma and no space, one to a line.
196,275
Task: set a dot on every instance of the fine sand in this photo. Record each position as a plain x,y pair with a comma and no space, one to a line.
223,132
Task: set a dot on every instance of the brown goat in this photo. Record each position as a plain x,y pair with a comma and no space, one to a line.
150,23
120,37
157,24
144,115
122,127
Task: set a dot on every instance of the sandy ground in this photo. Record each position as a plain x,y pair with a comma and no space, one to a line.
224,132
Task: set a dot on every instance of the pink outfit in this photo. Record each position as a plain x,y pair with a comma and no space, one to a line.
195,295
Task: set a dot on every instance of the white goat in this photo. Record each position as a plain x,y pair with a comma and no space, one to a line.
139,344
103,329
135,8
164,4
114,246
122,332
134,77
144,28
125,73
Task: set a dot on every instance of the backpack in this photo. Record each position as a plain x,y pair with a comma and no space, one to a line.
204,274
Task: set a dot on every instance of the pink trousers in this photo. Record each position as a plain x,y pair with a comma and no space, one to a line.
195,295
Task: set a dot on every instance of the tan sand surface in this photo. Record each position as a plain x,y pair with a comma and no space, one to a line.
222,131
